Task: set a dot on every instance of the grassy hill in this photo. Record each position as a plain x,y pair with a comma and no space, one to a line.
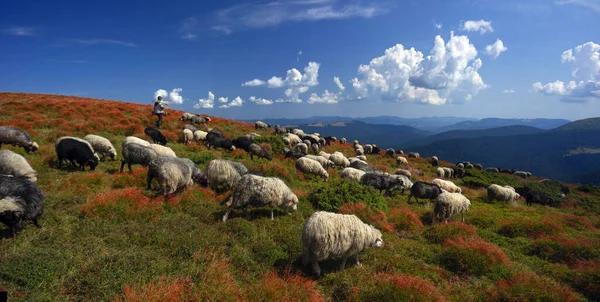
105,237
488,123
500,131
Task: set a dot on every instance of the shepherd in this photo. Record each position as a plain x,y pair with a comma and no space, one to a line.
159,110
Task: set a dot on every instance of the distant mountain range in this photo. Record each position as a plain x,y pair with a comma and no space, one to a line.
500,131
488,123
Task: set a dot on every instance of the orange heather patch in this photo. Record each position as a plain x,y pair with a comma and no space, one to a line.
289,287
527,286
393,287
158,291
375,217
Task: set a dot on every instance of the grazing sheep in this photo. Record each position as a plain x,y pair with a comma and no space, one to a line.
400,160
361,165
188,136
343,140
136,154
310,166
478,167
255,191
280,130
200,135
221,175
20,200
460,165
405,182
135,140
239,167
186,116
314,148
538,197
301,147
528,174
190,127
435,158
448,204
220,142
381,182
424,190
359,150
435,163
101,146
362,157
308,143
458,172
313,139
376,150
79,140
16,137
413,155
330,235
155,135
324,155
325,163
76,150
520,174
439,172
243,142
339,160
447,185
401,152
352,174
368,149
506,193
390,152
261,125
403,172
492,170
196,119
448,172
291,139
16,165
162,150
259,151
298,132
173,174
252,135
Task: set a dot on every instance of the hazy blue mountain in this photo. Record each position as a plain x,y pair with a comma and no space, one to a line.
488,123
501,131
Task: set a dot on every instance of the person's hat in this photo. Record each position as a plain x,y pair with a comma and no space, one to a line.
159,98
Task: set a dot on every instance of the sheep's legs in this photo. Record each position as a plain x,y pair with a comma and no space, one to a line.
226,214
463,218
271,213
358,261
37,224
316,269
343,265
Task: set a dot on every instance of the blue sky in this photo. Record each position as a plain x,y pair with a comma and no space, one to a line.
471,58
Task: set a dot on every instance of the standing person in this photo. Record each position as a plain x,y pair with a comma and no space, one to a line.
159,110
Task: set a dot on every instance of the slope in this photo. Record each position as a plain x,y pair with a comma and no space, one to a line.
487,123
501,131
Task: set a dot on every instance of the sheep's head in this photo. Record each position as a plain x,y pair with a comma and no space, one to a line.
377,234
293,202
113,154
330,164
93,163
31,147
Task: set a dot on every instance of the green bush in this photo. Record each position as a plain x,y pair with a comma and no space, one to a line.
332,195
202,157
482,179
589,189
276,143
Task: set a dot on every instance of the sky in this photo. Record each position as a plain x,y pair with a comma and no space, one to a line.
302,58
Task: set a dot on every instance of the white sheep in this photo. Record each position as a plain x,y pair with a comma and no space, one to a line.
506,193
362,157
200,135
324,154
298,132
439,172
254,190
343,140
449,173
400,160
314,148
261,125
330,235
403,172
352,174
135,140
447,185
339,160
188,136
521,174
291,139
16,165
172,173
221,175
162,150
448,204
368,149
301,147
310,166
359,150
434,158
101,145
323,161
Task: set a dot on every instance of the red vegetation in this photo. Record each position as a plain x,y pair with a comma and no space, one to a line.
527,286
472,256
289,287
158,291
393,287
532,228
404,219
374,217
438,233
560,249
123,202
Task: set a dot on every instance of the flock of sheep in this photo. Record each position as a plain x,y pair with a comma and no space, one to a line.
325,235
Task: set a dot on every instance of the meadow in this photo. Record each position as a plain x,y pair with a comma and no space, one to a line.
104,237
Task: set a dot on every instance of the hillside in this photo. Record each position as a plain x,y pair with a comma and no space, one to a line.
488,123
566,153
105,237
500,131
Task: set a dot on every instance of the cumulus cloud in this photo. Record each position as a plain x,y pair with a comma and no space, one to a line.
223,100
339,83
508,91
448,74
260,101
585,63
275,82
255,82
19,31
174,96
237,102
207,103
494,50
325,98
481,26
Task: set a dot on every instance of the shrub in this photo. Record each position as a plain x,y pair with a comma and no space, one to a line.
275,142
392,287
532,228
560,249
438,233
587,278
528,286
202,157
589,189
404,219
374,217
482,179
288,287
332,195
158,291
472,256
217,282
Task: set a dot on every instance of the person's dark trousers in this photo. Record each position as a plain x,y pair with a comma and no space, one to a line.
157,124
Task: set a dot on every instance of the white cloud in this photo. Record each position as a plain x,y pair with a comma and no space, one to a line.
260,101
275,82
170,97
223,100
291,100
339,83
325,98
438,25
508,91
585,63
448,74
295,82
237,102
19,31
189,36
495,49
255,82
207,103
481,26
91,42
592,4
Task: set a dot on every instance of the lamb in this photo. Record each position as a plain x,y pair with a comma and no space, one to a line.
162,150
190,127
254,190
343,140
261,125
101,146
329,235
381,182
135,140
352,174
259,151
449,173
424,190
200,135
447,185
173,174
74,149
301,147
492,170
339,159
310,166
20,200
188,136
403,172
448,204
414,155
243,142
325,163
136,154
16,165
520,174
506,193
16,137
196,119
221,175
439,172
400,160
155,135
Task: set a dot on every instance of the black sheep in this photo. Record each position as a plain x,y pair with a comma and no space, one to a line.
376,150
76,151
382,182
311,139
243,142
20,200
293,154
361,165
424,190
190,127
221,142
435,163
538,197
156,136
